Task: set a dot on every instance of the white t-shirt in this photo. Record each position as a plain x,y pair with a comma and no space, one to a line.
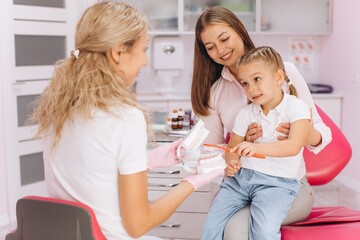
88,158
289,110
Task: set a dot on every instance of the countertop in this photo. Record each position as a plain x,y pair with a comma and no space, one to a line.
327,95
186,96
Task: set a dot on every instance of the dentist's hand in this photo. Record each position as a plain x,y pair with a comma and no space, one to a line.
200,180
163,156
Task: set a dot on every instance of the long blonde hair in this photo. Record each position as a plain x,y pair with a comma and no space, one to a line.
87,80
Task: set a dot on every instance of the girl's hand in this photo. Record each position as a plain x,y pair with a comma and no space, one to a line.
254,132
245,149
232,167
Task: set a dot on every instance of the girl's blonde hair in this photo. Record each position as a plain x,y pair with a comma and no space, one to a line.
87,80
269,56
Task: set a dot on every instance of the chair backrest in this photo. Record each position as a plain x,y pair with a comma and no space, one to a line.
327,164
43,218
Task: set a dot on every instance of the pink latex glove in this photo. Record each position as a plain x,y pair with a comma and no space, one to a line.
164,155
200,180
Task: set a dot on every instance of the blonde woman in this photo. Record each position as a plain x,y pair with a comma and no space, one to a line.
95,133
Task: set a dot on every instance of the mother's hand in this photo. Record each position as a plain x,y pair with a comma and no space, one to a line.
254,132
283,128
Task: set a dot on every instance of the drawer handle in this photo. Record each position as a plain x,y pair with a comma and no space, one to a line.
163,185
176,225
165,172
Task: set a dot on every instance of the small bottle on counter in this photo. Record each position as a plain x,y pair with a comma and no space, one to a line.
180,118
174,119
186,122
168,126
188,112
188,116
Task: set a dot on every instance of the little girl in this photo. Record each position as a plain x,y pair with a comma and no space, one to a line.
269,184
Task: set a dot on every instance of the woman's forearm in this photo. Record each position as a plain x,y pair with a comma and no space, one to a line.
137,214
314,139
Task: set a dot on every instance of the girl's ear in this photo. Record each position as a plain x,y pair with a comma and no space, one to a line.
280,76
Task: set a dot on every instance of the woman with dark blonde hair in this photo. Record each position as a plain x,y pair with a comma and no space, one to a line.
217,96
95,132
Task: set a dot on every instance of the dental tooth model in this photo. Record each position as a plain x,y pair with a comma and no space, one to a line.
193,160
210,162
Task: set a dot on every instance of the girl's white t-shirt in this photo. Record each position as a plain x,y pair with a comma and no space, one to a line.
289,110
88,158
228,98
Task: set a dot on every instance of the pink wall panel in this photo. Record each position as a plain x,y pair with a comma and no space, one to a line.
340,66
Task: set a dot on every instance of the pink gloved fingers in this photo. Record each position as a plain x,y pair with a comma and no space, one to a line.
164,155
201,180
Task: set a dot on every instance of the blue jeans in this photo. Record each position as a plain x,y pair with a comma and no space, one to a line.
269,197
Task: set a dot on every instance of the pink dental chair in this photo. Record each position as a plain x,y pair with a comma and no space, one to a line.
326,223
43,218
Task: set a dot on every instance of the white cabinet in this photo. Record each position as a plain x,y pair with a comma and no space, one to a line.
163,15
164,103
331,104
188,220
34,35
259,16
294,17
245,10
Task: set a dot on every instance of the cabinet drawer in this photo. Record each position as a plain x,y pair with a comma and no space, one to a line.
180,226
173,172
198,202
165,184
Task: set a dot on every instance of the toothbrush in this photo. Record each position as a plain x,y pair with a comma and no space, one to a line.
228,150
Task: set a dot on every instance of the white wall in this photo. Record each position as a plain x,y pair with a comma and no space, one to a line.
148,81
340,66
